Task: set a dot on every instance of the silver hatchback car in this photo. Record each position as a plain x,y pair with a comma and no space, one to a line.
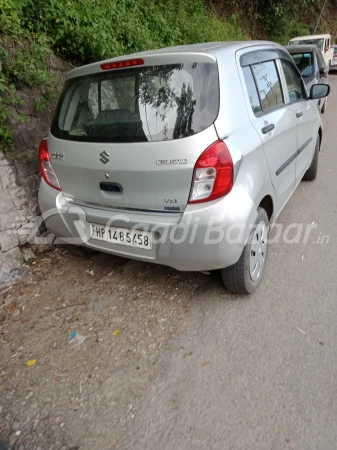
181,156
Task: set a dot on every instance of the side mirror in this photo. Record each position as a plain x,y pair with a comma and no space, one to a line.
319,91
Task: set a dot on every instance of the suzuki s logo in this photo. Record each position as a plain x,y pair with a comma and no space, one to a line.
104,157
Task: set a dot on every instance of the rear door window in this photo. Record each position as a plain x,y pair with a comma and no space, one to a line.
268,84
153,103
264,87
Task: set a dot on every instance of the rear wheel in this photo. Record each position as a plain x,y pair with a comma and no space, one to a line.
311,173
245,276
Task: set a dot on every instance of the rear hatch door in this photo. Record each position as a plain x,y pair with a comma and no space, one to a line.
130,137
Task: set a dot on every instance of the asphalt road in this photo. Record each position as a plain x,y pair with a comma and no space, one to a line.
259,372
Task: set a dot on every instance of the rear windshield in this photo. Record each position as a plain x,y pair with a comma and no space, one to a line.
304,63
318,42
144,104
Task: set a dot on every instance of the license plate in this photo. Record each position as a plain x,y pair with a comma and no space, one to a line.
122,236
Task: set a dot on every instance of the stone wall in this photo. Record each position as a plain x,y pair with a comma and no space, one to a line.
19,175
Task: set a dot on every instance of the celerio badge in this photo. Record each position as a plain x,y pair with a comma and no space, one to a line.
104,157
171,161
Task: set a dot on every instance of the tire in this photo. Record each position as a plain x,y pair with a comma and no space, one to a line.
241,278
324,106
311,173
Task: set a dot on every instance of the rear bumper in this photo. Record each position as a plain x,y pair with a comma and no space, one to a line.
207,237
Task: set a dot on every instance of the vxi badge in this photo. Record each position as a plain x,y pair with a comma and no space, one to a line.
57,155
171,161
104,157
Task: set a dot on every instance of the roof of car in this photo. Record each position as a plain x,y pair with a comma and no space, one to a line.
302,48
208,48
311,36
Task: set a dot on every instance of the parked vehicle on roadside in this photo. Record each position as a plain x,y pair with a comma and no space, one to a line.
181,156
333,65
322,41
312,67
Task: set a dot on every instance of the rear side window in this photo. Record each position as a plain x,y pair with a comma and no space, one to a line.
153,103
264,87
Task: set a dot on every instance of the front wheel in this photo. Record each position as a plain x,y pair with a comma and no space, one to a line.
245,276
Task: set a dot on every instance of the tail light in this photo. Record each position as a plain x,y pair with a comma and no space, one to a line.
213,174
46,168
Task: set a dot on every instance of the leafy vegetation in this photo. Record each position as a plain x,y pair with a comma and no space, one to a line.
276,20
281,18
96,29
88,30
23,62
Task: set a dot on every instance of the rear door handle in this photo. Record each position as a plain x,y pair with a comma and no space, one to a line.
268,128
299,114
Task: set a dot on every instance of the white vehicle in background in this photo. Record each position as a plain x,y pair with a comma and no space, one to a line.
333,66
322,41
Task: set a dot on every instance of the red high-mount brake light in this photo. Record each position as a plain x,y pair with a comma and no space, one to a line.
213,174
46,168
122,64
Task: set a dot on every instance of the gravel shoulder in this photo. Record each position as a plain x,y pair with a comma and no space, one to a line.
83,395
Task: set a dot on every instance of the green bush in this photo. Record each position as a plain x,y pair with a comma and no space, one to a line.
280,19
290,30
10,16
23,63
96,29
89,30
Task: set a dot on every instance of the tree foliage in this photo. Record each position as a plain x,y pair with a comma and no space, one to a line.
281,18
88,30
95,29
277,20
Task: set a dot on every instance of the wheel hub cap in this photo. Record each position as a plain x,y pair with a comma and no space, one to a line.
258,251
